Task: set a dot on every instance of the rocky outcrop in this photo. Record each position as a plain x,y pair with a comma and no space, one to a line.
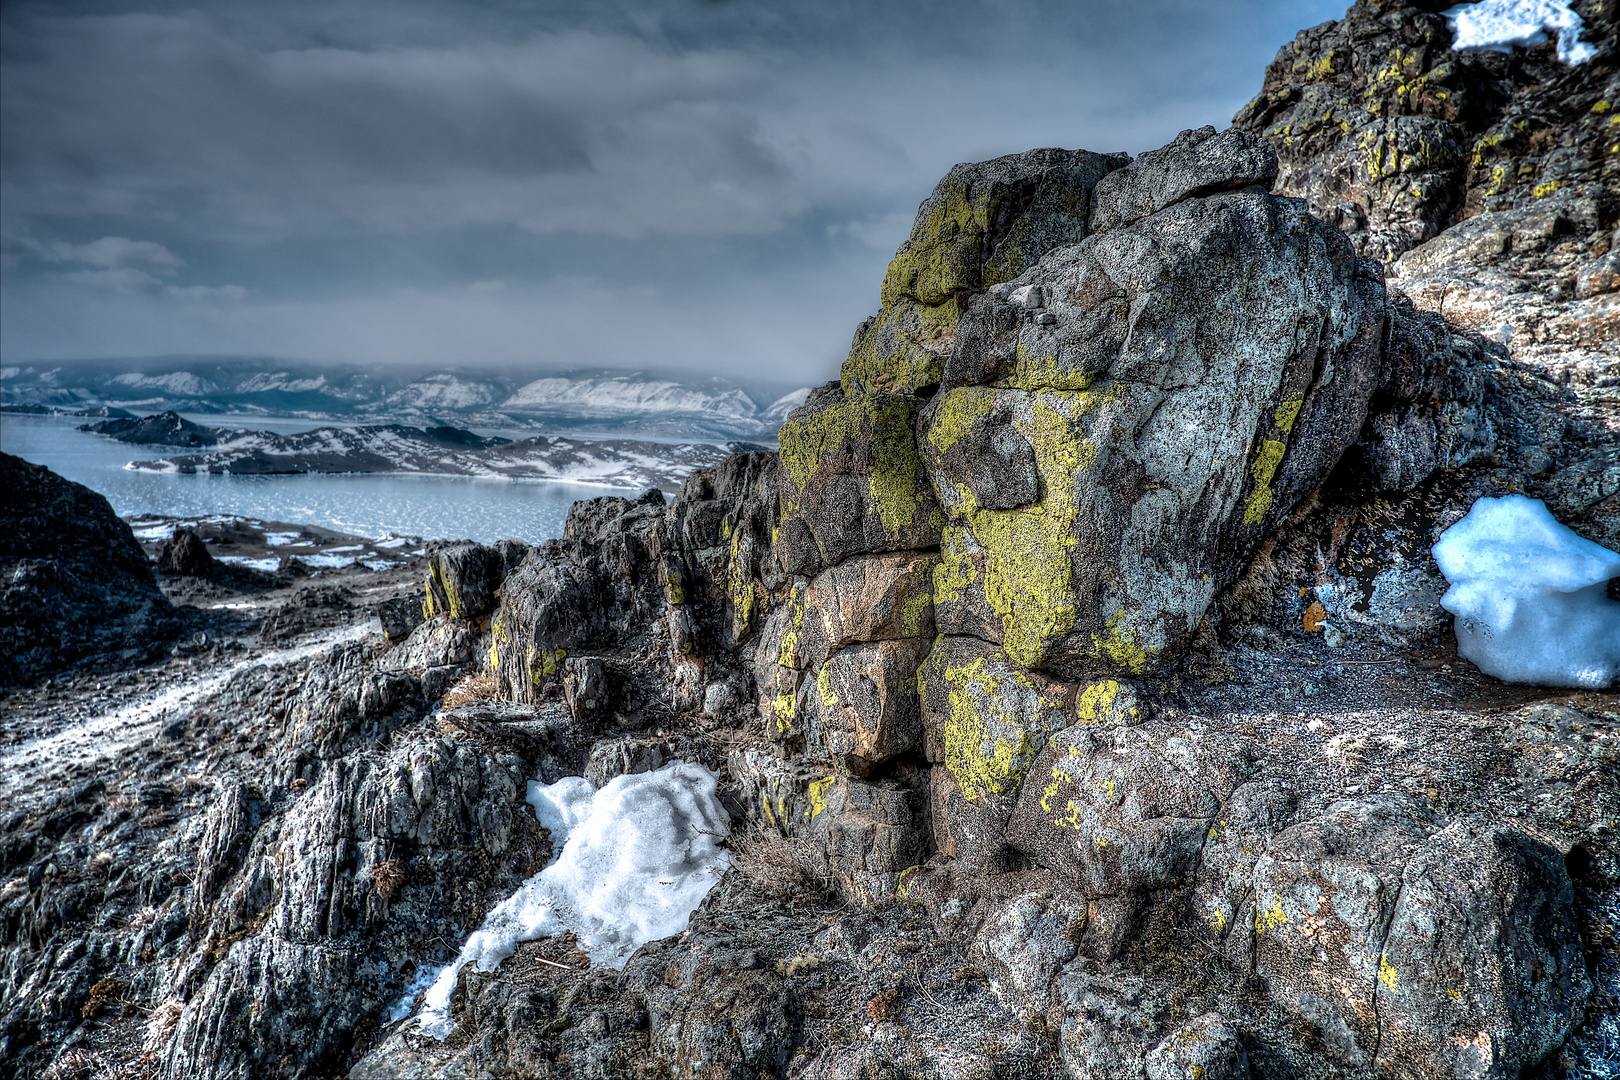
1073,673
76,584
185,553
1392,136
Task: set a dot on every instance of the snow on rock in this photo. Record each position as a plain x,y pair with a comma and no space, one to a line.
638,858
1530,596
1498,25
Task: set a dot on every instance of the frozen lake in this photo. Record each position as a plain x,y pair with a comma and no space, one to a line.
433,507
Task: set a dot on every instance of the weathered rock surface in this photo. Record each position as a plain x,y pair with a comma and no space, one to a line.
1188,379
76,584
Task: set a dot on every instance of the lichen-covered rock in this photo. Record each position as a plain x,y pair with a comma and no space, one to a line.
985,720
871,833
1106,810
984,223
462,580
852,481
550,607
1481,972
1391,135
1197,162
1187,379
721,529
1204,1048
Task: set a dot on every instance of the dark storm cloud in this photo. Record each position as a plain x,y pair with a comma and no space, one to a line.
532,182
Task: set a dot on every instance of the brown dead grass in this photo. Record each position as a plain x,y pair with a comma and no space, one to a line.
472,690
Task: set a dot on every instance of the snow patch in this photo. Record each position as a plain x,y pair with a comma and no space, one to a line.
1530,596
1498,25
270,564
638,858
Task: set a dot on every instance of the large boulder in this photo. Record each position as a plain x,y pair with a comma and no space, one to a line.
1141,409
984,223
74,583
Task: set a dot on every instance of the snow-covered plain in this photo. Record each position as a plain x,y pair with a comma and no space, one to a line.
1498,25
1529,595
637,857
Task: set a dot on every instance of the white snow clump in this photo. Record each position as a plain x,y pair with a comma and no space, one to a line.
1498,25
1529,596
637,857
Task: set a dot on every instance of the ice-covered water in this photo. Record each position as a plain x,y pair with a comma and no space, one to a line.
435,507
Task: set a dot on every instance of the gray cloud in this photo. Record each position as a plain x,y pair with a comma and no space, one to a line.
705,185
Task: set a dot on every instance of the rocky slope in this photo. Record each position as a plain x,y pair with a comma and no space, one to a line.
1075,676
76,584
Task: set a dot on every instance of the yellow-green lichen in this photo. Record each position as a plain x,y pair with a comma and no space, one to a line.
958,410
1028,566
915,610
888,357
1099,702
1271,919
545,665
941,258
1042,372
1264,470
739,582
955,573
1287,413
829,699
883,423
497,638
1387,974
818,796
1542,190
1118,644
452,599
993,725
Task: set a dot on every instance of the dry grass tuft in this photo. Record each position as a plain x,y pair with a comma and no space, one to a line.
780,866
388,877
472,690
881,1007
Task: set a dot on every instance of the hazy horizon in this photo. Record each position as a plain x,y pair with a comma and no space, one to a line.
702,188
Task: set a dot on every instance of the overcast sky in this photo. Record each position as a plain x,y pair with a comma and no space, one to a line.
688,185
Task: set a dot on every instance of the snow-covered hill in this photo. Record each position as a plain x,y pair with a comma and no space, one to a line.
604,403
396,448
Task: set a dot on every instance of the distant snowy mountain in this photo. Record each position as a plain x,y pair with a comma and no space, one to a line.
395,448
577,403
446,391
